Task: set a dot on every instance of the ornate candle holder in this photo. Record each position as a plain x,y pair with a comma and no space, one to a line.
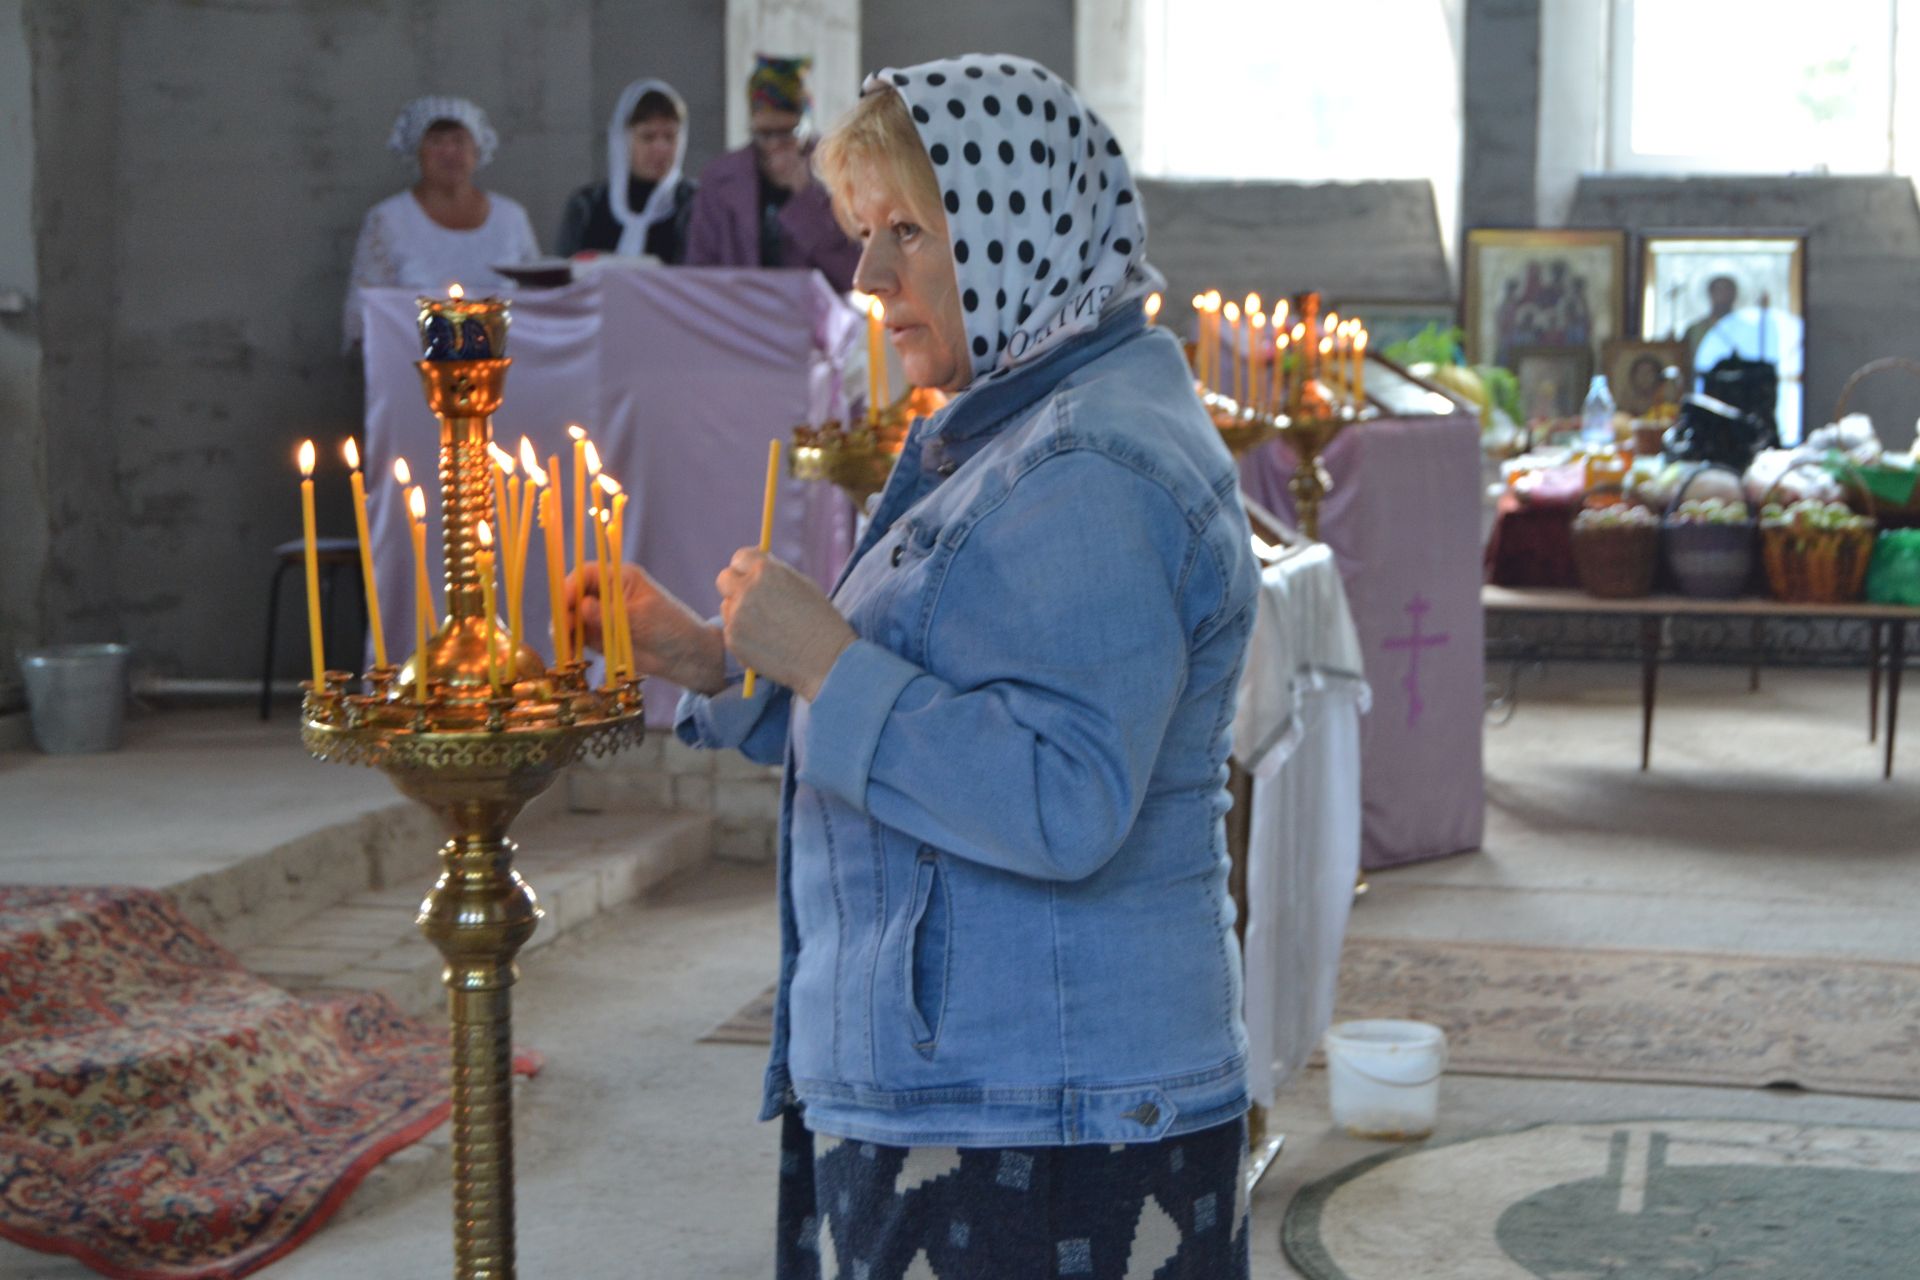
1307,433
439,731
859,459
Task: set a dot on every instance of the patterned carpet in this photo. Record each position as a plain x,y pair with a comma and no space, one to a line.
1622,1200
1836,1026
163,1113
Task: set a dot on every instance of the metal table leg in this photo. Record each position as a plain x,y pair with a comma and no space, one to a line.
1649,678
1896,659
1873,678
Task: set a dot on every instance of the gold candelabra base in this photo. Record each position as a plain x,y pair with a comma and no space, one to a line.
1307,431
860,458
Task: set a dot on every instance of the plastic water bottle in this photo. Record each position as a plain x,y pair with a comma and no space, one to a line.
1596,416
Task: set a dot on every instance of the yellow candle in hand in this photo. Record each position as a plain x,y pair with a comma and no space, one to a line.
877,389
352,453
617,546
314,639
766,526
609,644
423,593
483,564
613,613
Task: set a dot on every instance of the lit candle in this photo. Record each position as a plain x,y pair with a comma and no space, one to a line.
504,469
766,526
351,451
483,565
877,388
579,645
1153,309
1280,383
1360,369
1231,314
314,638
550,518
613,612
1213,344
523,534
1301,372
423,605
1256,392
617,548
422,594
609,637
1326,352
1199,337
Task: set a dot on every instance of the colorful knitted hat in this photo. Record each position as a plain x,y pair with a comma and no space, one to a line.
780,84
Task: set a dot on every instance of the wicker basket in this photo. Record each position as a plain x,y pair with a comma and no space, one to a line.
1894,504
1710,560
1817,566
1616,561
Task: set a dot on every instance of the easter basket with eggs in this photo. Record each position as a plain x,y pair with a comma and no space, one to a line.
1708,541
1815,552
1616,550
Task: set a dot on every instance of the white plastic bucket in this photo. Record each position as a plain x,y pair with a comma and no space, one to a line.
1383,1077
76,695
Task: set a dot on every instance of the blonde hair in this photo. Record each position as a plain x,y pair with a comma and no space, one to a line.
879,134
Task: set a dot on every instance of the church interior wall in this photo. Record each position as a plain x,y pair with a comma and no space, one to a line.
23,497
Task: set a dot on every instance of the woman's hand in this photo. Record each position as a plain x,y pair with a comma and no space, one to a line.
669,639
779,623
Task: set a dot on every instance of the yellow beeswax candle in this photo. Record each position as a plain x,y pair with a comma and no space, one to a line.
504,468
314,638
1256,391
878,392
616,545
766,526
1231,314
423,593
609,643
556,599
579,648
1280,381
351,452
523,533
1360,369
613,612
483,565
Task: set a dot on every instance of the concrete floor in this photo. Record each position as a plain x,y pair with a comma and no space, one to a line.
1763,827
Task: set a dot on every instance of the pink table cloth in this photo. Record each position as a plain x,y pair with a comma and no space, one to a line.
1403,520
681,376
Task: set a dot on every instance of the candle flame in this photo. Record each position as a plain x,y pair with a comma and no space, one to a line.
305,455
351,452
1360,340
608,484
1300,332
1213,299
877,309
577,431
603,515
1153,305
1326,346
861,300
501,458
537,475
528,458
1259,320
1199,302
593,459
417,502
1232,313
484,532
455,292
401,473
1332,321
1280,313
1280,343
1253,303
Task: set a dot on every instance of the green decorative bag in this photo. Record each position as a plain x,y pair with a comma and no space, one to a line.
1893,576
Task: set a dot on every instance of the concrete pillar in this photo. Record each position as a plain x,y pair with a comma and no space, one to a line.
1502,110
896,33
23,497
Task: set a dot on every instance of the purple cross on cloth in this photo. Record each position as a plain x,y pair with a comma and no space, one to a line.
1403,520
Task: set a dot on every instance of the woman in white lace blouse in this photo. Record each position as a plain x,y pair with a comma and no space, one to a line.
444,229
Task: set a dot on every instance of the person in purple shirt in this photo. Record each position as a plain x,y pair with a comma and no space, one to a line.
760,206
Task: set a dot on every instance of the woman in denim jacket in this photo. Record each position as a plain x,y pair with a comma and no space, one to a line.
1009,1000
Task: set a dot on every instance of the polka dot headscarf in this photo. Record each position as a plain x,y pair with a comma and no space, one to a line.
1046,225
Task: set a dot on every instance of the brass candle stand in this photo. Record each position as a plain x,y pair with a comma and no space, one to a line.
438,729
860,459
1307,433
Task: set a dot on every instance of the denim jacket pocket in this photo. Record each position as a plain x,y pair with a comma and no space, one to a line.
924,958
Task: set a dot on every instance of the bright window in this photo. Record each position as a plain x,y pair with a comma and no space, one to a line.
1754,86
1293,90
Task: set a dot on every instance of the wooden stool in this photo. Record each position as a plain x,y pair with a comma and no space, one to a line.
335,555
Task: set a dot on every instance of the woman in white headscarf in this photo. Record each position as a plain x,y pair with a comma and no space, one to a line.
444,229
1007,1037
644,204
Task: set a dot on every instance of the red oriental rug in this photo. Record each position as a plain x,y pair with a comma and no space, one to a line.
163,1113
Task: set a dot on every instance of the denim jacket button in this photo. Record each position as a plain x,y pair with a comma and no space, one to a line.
1146,1114
899,550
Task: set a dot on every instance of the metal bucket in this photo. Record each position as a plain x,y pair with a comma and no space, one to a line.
77,696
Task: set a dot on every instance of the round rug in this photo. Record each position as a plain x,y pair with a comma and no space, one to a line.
1621,1200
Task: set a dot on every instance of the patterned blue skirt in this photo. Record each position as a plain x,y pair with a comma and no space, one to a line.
1170,1210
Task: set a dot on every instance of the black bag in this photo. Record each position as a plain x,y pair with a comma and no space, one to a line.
1750,386
1711,430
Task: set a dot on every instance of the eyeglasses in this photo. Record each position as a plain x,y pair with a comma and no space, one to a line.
773,137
